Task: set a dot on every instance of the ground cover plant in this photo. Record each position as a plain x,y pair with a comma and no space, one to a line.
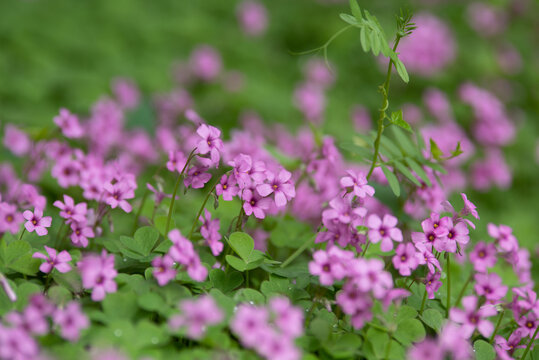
138,228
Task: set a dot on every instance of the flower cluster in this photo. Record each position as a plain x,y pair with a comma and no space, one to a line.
98,274
196,316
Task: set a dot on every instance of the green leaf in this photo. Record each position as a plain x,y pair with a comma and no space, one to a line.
378,341
356,11
151,301
320,328
344,347
483,350
24,291
404,171
405,143
225,282
397,119
393,181
405,312
433,319
392,150
236,262
242,244
290,233
249,296
418,170
349,19
363,36
409,330
435,150
160,224
145,239
375,43
59,295
401,70
120,305
70,280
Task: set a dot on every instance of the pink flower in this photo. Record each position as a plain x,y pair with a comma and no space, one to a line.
210,232
71,320
473,318
183,252
276,346
31,320
59,261
490,286
196,316
163,269
369,275
356,183
205,63
80,232
117,194
176,161
36,221
433,235
17,141
455,342
288,318
281,186
16,343
428,349
254,204
197,177
504,237
10,218
159,194
253,17
98,274
70,211
126,92
505,348
330,265
69,124
483,256
457,234
210,143
250,324
383,230
469,208
405,259
426,257
227,187
66,171
432,283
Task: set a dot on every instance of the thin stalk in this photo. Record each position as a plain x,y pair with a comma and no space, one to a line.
171,208
448,284
298,252
239,222
385,104
366,247
530,344
137,217
202,208
247,278
22,233
463,290
497,326
423,302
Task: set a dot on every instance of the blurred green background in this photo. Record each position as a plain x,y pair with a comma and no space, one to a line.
63,53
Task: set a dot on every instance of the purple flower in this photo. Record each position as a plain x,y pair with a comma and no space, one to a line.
10,218
469,208
433,235
277,346
383,230
405,259
210,232
66,171
69,124
490,286
205,63
31,320
254,204
343,211
210,143
528,324
426,257
176,161
163,269
17,141
288,318
59,261
432,283
16,343
183,252
80,232
197,177
428,349
159,194
505,348
253,17
70,211
36,221
356,183
504,237
71,320
98,274
473,318
250,324
227,187
117,194
196,316
483,256
457,234
369,275
280,185
330,265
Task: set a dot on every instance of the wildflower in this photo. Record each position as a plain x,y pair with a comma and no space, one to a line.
205,63
253,17
288,318
505,348
250,324
80,232
255,204
158,193
432,283
71,320
276,346
66,171
504,237
69,124
369,275
163,269
469,208
310,99
70,211
210,143
330,265
405,259
342,210
457,234
17,141
197,177
433,235
210,232
483,256
117,194
426,257
126,93
490,286
383,230
455,342
528,324
16,343
473,318
280,185
428,349
176,161
356,183
227,187
183,252
31,320
98,274
36,221
196,316
10,218
59,261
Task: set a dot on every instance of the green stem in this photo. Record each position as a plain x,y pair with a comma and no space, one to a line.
385,104
202,208
171,208
57,239
247,278
530,344
388,348
22,233
144,197
298,252
239,222
463,290
448,284
497,326
366,247
423,302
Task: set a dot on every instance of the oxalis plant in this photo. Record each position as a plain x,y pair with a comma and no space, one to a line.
111,247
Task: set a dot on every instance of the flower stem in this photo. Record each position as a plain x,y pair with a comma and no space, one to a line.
448,285
463,290
171,208
202,208
385,104
366,247
530,344
137,217
298,252
497,326
22,233
423,302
